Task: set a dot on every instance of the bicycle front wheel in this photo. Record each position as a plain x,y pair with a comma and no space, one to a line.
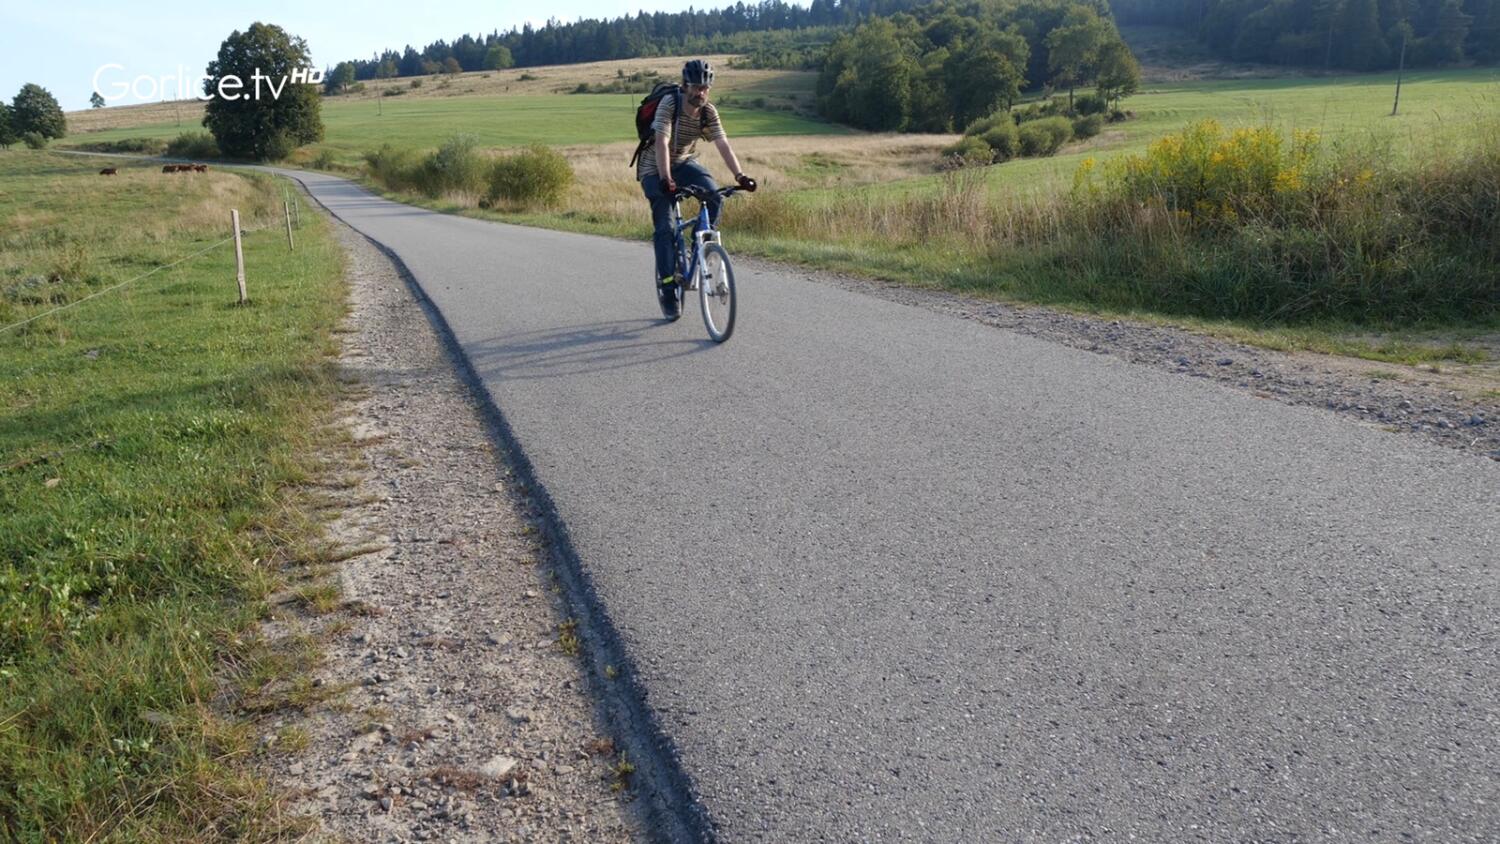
716,292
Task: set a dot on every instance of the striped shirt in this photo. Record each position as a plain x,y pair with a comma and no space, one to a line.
686,131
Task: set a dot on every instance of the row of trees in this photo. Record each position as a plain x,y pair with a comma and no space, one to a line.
644,34
949,63
33,116
1347,34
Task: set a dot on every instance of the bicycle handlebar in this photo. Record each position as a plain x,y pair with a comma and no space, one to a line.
695,192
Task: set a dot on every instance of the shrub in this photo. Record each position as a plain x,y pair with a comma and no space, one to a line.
535,175
1209,174
393,167
149,146
984,124
526,77
1087,126
392,92
193,145
1004,139
455,167
324,160
1090,104
1045,136
416,83
968,152
34,140
1041,110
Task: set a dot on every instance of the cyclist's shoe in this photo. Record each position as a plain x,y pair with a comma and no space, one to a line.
666,296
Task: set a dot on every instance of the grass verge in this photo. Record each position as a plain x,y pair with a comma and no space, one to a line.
151,442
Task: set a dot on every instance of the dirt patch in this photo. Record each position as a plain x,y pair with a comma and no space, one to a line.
448,709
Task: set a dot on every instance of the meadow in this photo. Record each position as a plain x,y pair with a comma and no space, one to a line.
153,439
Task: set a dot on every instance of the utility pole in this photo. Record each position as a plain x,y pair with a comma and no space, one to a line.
1400,68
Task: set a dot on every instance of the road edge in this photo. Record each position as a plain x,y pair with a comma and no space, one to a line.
674,812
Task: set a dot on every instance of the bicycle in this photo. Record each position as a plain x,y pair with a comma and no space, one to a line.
705,266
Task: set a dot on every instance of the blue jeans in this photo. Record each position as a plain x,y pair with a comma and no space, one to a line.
684,174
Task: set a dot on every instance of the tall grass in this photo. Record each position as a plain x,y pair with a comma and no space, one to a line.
1247,225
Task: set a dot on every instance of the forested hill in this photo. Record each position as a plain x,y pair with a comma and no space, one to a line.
1345,34
771,26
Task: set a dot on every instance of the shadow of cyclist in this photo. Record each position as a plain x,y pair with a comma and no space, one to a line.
579,349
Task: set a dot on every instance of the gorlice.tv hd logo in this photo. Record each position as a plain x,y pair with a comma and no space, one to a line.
148,88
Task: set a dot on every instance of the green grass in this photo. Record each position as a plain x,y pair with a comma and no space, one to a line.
355,126
149,439
1437,107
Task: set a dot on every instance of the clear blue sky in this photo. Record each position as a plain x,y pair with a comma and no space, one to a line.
59,44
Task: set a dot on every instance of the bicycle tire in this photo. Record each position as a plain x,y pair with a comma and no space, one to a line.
716,294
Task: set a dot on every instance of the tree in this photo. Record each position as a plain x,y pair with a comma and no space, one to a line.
339,79
452,67
1073,48
1451,31
261,121
984,75
35,110
8,133
1119,72
96,100
386,69
1361,44
498,58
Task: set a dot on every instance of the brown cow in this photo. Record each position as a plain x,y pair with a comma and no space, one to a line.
200,168
169,168
108,171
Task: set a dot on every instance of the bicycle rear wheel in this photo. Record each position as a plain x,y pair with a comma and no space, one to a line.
716,292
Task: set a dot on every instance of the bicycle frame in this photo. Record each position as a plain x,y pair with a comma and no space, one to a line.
705,233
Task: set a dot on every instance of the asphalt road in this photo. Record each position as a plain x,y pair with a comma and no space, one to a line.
887,575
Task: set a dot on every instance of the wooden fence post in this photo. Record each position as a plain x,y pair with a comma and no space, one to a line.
239,255
287,207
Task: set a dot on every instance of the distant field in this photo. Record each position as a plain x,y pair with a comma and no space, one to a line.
1435,106
355,126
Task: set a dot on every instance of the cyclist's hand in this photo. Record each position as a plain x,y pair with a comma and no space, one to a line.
746,182
668,186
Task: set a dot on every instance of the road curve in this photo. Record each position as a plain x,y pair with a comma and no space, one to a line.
885,574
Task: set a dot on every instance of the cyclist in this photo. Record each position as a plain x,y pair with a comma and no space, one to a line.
671,162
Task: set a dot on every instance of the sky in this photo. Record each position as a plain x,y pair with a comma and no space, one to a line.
60,44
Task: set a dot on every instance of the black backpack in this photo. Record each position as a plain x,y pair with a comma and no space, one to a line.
645,114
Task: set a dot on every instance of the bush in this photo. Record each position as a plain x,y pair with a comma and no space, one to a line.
984,124
535,175
149,146
392,92
456,167
1041,110
193,145
1004,139
968,152
1088,125
416,83
34,140
393,167
1090,104
1045,136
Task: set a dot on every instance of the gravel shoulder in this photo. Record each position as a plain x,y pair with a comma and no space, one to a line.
1454,411
456,708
